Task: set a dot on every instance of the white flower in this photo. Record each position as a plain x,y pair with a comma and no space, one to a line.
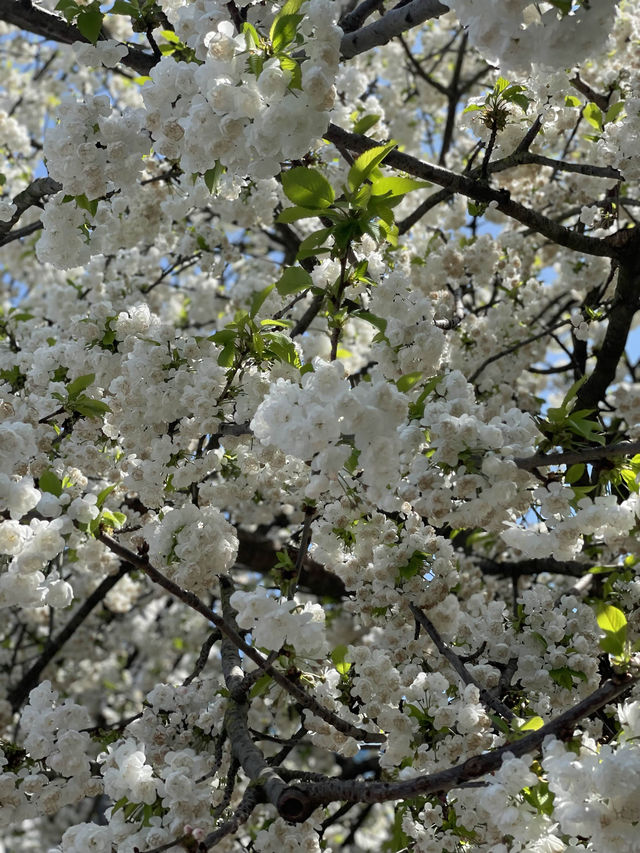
7,210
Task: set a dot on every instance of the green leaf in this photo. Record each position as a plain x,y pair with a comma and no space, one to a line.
613,644
338,656
80,384
293,280
366,163
288,63
610,619
227,355
522,101
223,337
307,188
84,405
406,382
290,7
311,244
104,494
123,7
574,472
90,205
256,64
119,804
603,570
396,186
251,34
613,112
564,676
68,8
109,518
563,5
572,101
379,322
416,566
629,478
292,214
362,196
90,22
532,724
258,299
283,31
170,36
212,176
593,114
261,686
282,348
365,123
476,208
540,797
501,85
48,482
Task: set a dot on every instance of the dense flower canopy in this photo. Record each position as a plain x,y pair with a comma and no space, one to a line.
320,435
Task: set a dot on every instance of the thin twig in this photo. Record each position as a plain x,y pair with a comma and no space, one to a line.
490,702
191,600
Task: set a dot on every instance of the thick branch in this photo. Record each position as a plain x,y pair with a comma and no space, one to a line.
28,16
304,796
479,191
236,726
396,21
571,457
29,197
534,566
355,19
626,302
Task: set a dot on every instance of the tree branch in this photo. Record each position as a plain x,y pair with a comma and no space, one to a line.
304,796
395,21
355,19
22,689
479,191
29,197
626,302
490,702
28,16
287,684
236,725
534,566
584,454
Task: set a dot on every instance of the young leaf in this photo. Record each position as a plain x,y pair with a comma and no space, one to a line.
283,31
366,163
80,384
90,22
48,482
293,280
84,405
406,382
365,123
611,619
293,214
251,34
593,114
307,188
396,186
258,299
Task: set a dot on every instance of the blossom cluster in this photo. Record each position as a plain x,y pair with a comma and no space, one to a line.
366,409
